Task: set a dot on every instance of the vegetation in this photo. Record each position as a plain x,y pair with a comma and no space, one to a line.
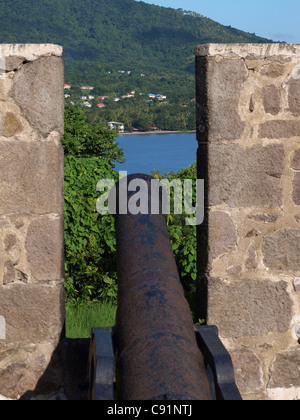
183,238
152,46
80,318
90,244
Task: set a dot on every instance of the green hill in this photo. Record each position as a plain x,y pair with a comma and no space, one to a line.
101,38
117,32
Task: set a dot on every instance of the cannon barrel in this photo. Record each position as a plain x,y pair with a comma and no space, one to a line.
157,356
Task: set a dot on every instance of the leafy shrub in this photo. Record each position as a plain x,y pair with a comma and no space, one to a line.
90,243
90,239
182,237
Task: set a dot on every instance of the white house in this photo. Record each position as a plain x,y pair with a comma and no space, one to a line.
87,87
113,125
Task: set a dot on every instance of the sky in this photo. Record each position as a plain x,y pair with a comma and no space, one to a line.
278,20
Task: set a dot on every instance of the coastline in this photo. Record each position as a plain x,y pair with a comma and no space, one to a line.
156,132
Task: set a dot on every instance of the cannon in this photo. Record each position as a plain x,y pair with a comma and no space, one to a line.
154,352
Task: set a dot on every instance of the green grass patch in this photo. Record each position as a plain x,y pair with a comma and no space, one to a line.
80,318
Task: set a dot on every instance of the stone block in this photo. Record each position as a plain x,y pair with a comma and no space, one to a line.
38,90
33,313
273,69
264,218
11,63
224,84
271,99
248,371
9,273
296,189
16,379
44,246
294,96
249,307
281,250
245,178
222,234
279,129
285,370
31,178
295,160
251,262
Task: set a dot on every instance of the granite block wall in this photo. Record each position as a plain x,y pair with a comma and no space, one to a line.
248,129
31,213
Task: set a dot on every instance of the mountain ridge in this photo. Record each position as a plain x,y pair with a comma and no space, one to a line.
114,31
120,47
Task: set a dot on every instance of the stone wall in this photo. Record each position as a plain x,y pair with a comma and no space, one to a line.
31,215
248,128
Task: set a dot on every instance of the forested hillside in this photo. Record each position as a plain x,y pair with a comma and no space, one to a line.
152,45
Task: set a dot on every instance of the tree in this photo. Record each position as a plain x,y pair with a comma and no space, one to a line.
90,243
83,139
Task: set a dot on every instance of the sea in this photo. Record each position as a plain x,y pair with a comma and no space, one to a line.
145,153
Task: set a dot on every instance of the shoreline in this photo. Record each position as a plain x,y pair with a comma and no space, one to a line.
156,132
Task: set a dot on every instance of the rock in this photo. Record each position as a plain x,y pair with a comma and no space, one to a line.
295,160
22,191
38,90
251,262
248,371
281,250
33,312
226,76
9,273
44,246
249,307
222,234
296,189
279,129
294,96
245,178
285,370
271,99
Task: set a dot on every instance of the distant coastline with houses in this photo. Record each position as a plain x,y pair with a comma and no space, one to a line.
88,100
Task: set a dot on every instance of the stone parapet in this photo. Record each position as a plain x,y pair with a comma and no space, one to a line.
31,216
248,129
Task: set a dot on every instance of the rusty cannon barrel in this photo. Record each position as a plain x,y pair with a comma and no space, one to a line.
157,356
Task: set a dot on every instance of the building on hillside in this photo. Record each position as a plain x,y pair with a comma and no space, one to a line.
66,86
113,125
85,87
128,95
101,105
160,97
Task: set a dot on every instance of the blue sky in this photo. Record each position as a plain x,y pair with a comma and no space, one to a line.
274,19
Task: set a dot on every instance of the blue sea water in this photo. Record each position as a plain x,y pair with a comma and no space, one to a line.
164,152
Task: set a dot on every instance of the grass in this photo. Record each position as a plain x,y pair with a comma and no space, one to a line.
80,318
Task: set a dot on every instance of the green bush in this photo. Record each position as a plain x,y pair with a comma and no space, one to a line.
182,237
90,244
90,240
